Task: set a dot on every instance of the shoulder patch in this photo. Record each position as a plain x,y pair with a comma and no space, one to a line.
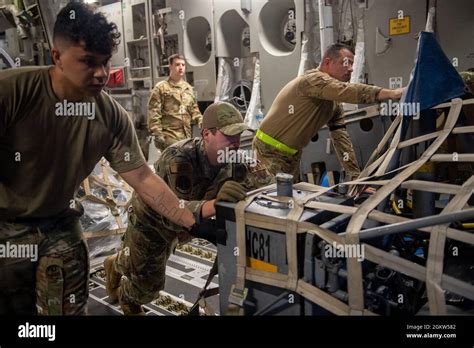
258,169
180,178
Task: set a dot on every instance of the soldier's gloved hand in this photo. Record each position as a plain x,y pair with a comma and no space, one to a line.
159,141
205,230
231,191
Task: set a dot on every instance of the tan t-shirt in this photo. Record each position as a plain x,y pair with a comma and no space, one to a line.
309,102
47,150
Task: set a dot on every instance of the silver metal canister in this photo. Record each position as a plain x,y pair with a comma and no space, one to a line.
284,184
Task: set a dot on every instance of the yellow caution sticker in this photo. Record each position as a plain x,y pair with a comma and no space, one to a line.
428,167
261,265
400,26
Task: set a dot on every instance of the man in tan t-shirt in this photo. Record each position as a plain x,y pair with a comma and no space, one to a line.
55,124
309,102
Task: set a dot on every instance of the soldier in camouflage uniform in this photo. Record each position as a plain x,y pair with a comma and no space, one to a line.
305,105
468,78
44,156
55,284
172,108
198,172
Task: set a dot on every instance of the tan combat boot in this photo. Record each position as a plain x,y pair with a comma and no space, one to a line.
131,309
112,278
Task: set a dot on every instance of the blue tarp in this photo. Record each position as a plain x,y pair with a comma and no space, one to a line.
433,80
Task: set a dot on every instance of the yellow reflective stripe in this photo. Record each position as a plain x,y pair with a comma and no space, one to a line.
275,143
261,265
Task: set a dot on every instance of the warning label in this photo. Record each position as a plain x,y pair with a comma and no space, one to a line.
399,26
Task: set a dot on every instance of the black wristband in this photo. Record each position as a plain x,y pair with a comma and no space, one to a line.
205,230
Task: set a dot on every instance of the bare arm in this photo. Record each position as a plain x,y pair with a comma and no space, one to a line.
386,94
208,209
154,191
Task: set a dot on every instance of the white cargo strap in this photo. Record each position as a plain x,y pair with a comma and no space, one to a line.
432,274
354,268
238,292
291,244
434,264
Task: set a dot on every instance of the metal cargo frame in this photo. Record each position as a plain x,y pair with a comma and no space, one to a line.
437,282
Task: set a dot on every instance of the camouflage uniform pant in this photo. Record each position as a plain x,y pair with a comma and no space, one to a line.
277,161
168,141
142,260
345,154
57,283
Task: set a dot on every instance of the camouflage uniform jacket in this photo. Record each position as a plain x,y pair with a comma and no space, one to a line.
172,109
468,78
309,102
185,168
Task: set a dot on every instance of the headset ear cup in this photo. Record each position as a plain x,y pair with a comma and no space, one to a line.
183,183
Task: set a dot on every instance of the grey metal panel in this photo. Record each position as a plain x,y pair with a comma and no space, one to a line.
267,20
230,22
455,30
49,9
135,27
227,262
282,301
140,106
11,43
113,13
131,29
265,23
192,31
316,151
259,294
175,24
398,60
199,19
236,81
364,142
